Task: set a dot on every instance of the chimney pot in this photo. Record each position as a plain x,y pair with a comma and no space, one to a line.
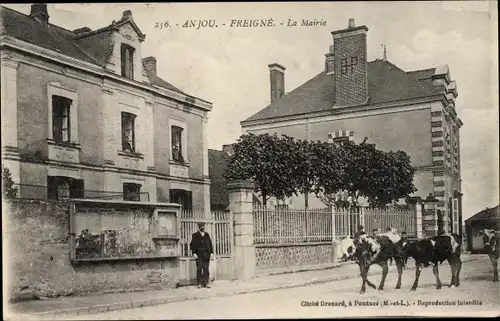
150,64
351,23
39,12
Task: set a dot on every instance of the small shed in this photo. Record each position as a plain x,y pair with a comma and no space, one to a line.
488,218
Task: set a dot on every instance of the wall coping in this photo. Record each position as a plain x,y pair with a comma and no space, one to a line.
242,184
294,244
119,202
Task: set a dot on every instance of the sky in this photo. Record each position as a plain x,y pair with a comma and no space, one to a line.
229,66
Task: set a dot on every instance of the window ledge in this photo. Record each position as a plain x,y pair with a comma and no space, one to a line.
131,154
166,237
173,162
64,144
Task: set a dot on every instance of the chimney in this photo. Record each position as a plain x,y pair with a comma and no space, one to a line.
329,62
150,64
39,12
228,149
277,75
350,65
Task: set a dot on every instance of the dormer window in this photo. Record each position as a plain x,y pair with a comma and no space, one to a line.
127,60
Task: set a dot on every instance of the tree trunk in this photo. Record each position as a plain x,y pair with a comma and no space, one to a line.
264,199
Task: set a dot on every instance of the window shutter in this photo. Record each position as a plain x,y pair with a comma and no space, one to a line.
76,189
455,215
132,128
131,63
122,58
189,200
51,188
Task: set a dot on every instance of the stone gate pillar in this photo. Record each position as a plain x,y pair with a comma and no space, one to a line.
240,204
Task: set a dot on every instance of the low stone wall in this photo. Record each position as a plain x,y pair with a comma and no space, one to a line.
290,256
37,258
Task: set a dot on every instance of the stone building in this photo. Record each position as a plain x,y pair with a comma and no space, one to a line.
84,114
353,98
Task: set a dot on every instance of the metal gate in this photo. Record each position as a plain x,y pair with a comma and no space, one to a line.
219,225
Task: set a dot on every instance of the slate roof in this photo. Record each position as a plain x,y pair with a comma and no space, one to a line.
95,47
487,214
217,165
386,83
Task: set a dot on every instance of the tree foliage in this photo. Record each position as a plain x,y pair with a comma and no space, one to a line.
8,188
268,161
380,177
338,174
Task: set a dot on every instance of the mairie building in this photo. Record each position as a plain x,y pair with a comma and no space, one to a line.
353,98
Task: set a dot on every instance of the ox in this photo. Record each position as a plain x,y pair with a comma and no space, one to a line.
434,251
491,240
378,249
347,248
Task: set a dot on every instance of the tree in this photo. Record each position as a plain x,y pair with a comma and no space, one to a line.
329,170
306,172
9,191
364,171
270,161
337,174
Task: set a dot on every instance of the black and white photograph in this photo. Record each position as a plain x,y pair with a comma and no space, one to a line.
249,160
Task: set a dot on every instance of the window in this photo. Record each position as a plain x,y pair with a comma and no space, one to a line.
128,132
131,192
177,144
60,119
183,197
127,60
59,188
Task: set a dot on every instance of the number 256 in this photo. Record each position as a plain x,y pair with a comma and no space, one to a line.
162,25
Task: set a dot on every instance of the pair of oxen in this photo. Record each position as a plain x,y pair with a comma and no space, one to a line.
379,249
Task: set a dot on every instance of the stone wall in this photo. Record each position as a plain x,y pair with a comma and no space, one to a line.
270,257
37,253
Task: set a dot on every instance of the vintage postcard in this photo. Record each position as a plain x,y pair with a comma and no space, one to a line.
250,160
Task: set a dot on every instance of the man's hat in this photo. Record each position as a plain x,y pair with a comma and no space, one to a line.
201,224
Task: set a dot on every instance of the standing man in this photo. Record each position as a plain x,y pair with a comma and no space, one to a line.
203,252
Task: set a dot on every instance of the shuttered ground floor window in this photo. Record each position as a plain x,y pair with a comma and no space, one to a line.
131,192
60,187
183,197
